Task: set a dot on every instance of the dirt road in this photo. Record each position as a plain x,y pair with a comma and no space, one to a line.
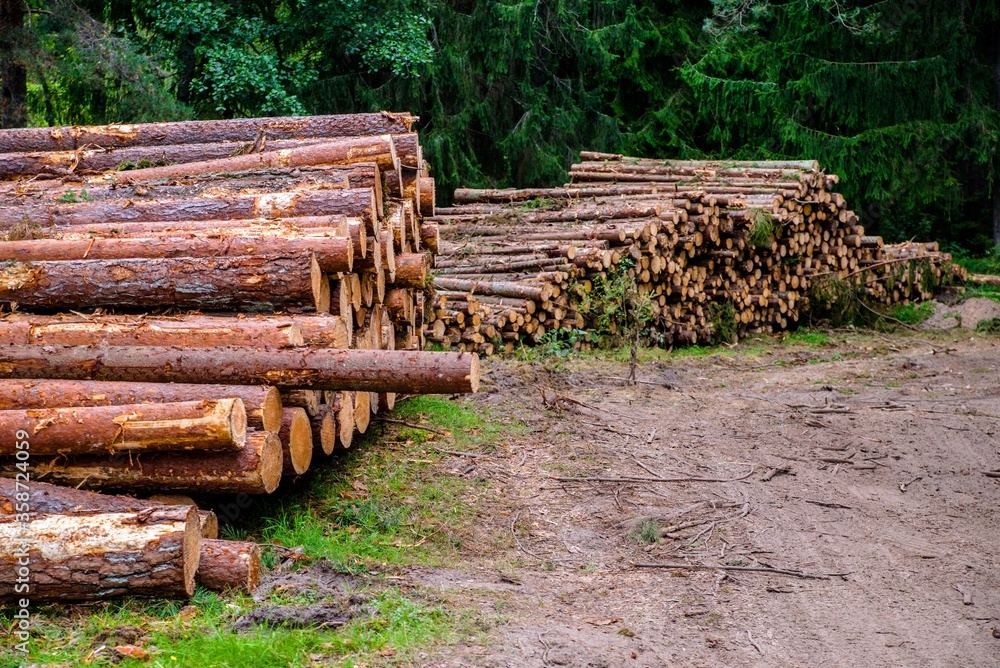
869,459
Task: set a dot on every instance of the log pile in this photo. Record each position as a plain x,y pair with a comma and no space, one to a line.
204,308
700,250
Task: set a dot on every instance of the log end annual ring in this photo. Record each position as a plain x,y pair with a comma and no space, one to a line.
345,420
297,441
271,463
325,436
474,373
271,418
238,422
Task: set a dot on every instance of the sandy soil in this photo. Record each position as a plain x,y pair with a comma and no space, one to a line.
868,457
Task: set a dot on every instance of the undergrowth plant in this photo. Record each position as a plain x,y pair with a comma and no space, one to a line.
762,228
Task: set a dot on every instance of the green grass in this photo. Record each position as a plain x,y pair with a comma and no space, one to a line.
912,314
390,502
808,337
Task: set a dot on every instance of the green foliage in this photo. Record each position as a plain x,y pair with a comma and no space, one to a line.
833,300
647,533
723,319
991,326
897,98
912,314
561,342
762,228
70,197
619,310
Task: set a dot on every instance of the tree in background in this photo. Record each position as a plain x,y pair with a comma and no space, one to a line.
896,97
13,74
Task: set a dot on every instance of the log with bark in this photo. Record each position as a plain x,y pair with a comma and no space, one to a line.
229,565
256,283
319,369
90,557
197,132
180,426
332,253
262,403
255,469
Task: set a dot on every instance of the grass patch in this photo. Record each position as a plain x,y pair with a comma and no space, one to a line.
912,314
647,533
991,326
808,337
387,503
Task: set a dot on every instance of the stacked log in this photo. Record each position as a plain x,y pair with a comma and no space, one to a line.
705,249
208,307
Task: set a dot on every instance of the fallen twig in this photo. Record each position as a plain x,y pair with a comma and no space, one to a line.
755,645
767,477
827,504
638,479
746,569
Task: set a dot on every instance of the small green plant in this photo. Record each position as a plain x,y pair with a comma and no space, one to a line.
912,314
70,197
762,228
834,300
537,203
129,165
991,326
647,533
560,342
723,319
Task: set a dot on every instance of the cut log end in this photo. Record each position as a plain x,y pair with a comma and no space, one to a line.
345,420
296,441
271,459
271,410
238,421
229,565
192,548
325,432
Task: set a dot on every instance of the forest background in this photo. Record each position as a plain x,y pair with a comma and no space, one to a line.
901,98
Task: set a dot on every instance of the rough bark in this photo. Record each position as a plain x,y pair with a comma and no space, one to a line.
197,132
359,202
251,283
412,372
309,226
256,469
262,403
411,270
228,565
179,426
427,195
342,151
333,253
535,291
187,330
88,557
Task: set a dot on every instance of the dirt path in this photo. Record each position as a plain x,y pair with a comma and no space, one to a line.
880,458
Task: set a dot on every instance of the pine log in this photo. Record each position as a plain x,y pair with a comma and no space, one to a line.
332,253
427,196
321,369
343,406
260,282
411,270
229,565
289,227
536,291
190,425
341,151
309,400
324,331
296,441
256,469
188,330
262,403
324,429
88,557
358,202
197,132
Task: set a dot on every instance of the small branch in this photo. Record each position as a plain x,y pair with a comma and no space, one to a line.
637,479
746,569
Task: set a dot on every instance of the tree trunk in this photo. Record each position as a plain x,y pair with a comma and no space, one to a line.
296,441
200,132
535,291
996,102
229,565
359,202
412,372
342,151
252,283
262,403
13,75
411,270
334,254
318,227
256,469
187,330
152,552
189,425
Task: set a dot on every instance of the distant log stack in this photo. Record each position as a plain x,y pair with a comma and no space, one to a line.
709,249
220,306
